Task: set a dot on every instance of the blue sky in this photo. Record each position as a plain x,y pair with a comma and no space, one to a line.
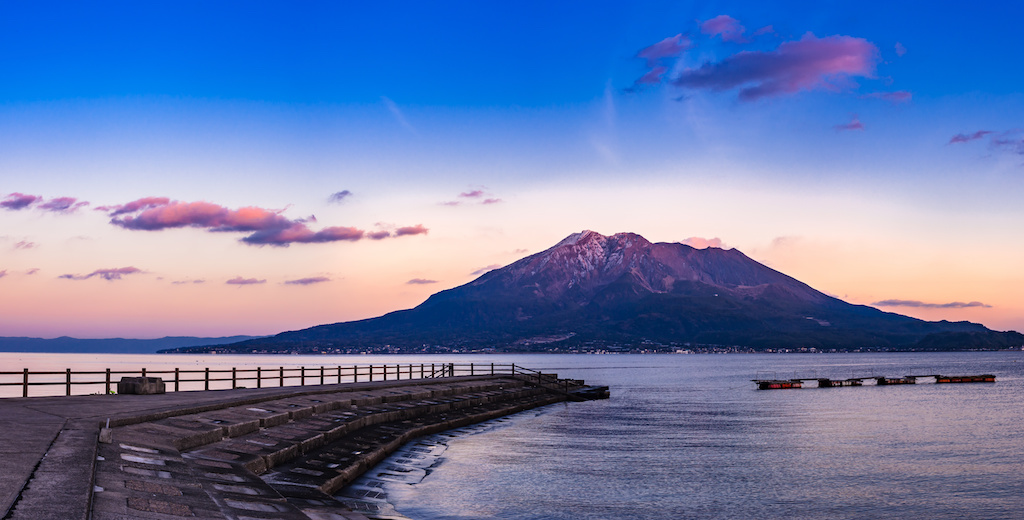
894,177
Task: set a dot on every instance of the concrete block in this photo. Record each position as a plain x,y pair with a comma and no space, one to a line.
141,385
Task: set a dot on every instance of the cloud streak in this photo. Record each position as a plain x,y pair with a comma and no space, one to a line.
106,274
63,205
420,281
485,269
238,280
308,281
922,305
966,138
854,124
265,227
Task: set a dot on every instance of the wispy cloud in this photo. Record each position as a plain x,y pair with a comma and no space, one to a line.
17,201
63,205
854,124
808,64
3,273
923,305
106,274
265,227
420,281
188,282
671,47
702,243
238,280
725,26
899,96
32,271
966,138
483,270
308,281
339,196
900,49
397,113
24,244
418,229
476,195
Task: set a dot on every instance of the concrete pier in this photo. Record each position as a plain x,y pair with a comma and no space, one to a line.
246,453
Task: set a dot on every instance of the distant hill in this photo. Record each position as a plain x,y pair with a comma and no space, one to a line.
112,345
595,290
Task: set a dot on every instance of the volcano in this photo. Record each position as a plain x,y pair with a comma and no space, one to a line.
622,290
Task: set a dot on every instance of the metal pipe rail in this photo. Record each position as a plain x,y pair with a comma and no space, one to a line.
84,382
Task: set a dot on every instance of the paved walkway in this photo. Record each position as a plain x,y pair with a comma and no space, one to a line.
48,445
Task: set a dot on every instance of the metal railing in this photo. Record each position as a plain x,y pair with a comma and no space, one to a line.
91,382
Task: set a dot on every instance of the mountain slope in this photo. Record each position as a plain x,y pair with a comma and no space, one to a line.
622,289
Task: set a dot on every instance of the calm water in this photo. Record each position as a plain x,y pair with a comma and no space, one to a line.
687,436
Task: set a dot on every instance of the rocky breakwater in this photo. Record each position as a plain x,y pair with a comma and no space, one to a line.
284,457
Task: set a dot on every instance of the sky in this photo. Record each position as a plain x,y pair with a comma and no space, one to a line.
211,169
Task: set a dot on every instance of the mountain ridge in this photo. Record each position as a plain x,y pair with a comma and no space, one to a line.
596,290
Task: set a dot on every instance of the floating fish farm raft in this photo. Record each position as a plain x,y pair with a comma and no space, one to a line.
822,382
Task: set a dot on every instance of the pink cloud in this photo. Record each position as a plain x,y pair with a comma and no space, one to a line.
768,29
420,281
491,201
63,205
450,203
3,273
266,227
136,205
483,270
854,124
653,76
418,229
725,26
474,194
308,281
807,64
378,235
32,271
238,280
702,243
964,138
106,274
670,47
16,201
24,244
900,96
900,49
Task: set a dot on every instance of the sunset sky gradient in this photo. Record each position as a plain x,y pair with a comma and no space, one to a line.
186,168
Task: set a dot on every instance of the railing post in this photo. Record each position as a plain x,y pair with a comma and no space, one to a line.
302,376
385,371
471,369
259,378
206,379
234,381
492,368
339,374
68,381
177,379
421,370
107,392
321,374
371,373
355,374
451,369
282,376
24,384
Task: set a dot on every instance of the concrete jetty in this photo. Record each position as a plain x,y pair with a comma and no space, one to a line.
241,454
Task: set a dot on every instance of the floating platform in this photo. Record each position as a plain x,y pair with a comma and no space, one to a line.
778,384
984,378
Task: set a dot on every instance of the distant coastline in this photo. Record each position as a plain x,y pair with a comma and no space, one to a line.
66,344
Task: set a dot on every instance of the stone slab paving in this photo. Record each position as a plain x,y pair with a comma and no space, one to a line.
199,454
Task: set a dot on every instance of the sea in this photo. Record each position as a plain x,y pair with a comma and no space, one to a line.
689,436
